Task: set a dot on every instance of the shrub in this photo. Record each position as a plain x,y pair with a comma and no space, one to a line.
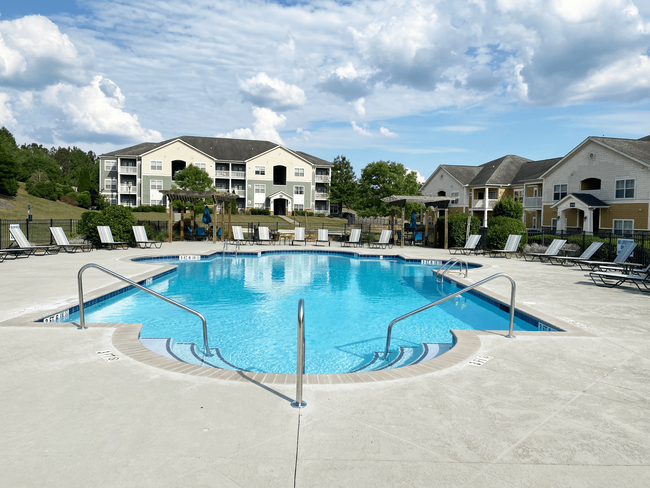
118,218
44,189
84,199
499,228
69,199
457,228
508,207
260,211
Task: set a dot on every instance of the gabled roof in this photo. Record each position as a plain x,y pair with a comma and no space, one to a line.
586,198
533,170
464,174
223,149
639,149
501,171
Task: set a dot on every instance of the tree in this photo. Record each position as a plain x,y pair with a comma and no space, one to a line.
8,166
382,179
193,178
344,185
34,157
508,207
83,180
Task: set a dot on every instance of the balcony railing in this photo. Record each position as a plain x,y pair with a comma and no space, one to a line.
321,196
533,202
222,174
240,193
238,174
480,204
323,178
129,190
128,169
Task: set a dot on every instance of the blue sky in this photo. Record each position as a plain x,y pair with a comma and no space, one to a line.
420,83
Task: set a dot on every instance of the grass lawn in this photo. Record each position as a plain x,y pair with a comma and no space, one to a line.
41,207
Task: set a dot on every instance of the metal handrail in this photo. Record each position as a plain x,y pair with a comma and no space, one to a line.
82,318
300,362
513,289
440,272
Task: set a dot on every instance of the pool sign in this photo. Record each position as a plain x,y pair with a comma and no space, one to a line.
480,360
13,226
107,356
621,243
189,257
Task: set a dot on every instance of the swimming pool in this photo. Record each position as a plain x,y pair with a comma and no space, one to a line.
250,303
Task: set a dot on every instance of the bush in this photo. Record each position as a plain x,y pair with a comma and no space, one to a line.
457,228
499,228
84,199
44,189
118,218
9,186
69,199
260,211
151,208
508,207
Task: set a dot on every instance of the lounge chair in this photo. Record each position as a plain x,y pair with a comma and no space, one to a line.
552,250
141,238
323,236
571,260
238,235
511,247
469,247
106,238
299,235
622,257
610,280
25,245
263,235
62,241
15,253
355,239
384,240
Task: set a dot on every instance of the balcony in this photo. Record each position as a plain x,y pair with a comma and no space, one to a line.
323,178
321,196
222,174
533,202
238,174
480,204
240,193
129,190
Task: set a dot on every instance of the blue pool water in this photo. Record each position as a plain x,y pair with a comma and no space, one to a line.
251,305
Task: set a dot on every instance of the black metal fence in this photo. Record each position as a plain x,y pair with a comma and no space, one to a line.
36,231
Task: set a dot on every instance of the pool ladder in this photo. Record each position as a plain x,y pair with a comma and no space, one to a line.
440,272
82,318
225,248
513,289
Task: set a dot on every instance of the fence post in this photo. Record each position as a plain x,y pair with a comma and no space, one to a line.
27,228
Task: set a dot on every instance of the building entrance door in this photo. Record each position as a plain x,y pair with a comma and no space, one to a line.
279,206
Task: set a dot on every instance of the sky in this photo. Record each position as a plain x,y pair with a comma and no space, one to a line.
421,83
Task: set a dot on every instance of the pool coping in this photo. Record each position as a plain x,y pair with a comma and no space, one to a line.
126,336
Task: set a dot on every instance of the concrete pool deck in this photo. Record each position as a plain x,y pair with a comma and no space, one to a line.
546,410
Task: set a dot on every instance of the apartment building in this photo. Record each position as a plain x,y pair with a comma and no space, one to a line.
262,174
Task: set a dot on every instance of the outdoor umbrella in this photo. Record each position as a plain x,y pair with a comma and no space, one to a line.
413,224
206,215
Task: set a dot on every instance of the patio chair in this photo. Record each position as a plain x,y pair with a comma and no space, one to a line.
418,237
299,235
24,244
263,235
355,239
621,257
610,280
571,260
238,235
106,238
511,247
552,250
62,241
384,240
469,247
197,234
323,236
141,239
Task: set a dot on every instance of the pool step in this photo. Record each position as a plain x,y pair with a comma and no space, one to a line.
404,356
188,352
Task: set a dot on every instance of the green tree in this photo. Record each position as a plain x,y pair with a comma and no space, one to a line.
34,157
344,186
383,179
118,218
508,207
83,180
193,178
8,165
499,228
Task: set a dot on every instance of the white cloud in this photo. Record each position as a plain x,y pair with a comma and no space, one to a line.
360,130
6,116
94,112
360,106
264,91
264,128
387,133
463,129
418,177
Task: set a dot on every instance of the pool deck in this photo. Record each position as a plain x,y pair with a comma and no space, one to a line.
557,409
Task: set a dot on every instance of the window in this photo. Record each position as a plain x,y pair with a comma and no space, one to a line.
590,184
559,191
260,170
492,194
534,222
279,175
299,172
624,188
298,207
259,205
113,201
454,196
156,184
202,166
110,165
155,165
260,188
518,194
623,226
298,190
554,224
110,184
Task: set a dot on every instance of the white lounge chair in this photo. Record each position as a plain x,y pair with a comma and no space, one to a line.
62,241
299,235
552,250
469,247
622,257
384,240
263,235
238,235
323,236
640,278
511,247
26,246
106,238
141,239
571,260
355,239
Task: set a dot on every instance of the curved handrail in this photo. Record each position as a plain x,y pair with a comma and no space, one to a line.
440,272
300,360
82,318
513,290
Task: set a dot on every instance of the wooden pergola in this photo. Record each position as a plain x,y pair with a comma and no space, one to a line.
193,196
426,200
